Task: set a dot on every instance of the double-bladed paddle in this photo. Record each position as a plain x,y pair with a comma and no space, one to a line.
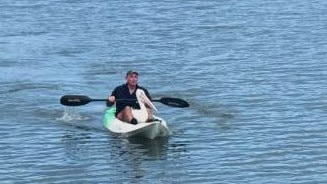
77,100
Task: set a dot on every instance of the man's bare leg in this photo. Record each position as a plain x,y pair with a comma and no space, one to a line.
126,114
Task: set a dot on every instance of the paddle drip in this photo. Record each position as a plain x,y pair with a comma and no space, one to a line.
71,114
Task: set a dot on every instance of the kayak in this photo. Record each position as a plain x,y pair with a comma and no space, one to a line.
156,128
150,130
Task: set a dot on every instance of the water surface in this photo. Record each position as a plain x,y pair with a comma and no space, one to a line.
254,73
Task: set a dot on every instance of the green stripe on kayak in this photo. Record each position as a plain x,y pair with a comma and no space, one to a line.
109,116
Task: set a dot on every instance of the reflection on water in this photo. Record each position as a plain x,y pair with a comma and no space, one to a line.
75,144
130,160
127,156
147,149
155,148
136,156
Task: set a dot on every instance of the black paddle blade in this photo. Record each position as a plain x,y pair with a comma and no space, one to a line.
74,100
174,102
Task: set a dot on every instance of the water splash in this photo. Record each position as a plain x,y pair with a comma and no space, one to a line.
71,114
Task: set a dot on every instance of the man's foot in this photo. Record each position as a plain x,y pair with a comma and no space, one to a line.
134,121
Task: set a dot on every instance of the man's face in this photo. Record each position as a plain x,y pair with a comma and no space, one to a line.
132,79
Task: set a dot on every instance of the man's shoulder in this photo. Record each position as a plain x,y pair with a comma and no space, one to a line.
120,87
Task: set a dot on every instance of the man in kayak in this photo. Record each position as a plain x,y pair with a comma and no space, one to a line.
128,91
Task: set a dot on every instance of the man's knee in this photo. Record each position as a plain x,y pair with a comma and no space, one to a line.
125,114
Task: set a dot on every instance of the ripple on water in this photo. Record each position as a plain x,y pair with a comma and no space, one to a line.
253,72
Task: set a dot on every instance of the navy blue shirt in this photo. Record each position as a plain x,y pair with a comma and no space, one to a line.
122,92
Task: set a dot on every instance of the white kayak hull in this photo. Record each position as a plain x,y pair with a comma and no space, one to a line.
149,130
